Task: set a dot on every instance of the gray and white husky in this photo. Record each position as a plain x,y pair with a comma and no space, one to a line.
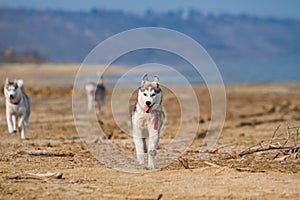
17,107
95,92
147,120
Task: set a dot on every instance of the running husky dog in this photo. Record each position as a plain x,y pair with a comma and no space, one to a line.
17,107
95,92
147,120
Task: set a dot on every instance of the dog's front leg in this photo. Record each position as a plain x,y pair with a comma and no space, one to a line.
9,123
14,122
22,127
90,102
153,142
139,145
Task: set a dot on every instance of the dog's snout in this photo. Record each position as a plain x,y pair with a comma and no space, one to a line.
11,96
148,103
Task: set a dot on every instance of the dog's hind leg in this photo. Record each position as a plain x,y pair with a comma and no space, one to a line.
23,130
99,106
145,145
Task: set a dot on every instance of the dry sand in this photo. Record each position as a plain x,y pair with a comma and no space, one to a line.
253,113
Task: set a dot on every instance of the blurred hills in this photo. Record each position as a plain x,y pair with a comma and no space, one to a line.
68,36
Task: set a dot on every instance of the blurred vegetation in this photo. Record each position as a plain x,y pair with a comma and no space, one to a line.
9,56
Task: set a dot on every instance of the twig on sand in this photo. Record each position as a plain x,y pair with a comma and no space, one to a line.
275,132
46,154
37,176
217,149
211,164
249,170
184,163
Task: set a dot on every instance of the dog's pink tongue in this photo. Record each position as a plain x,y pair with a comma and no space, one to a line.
13,100
146,108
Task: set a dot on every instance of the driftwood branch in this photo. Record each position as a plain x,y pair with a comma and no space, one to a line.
250,151
281,143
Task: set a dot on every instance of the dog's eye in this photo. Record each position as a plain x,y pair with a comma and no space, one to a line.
145,94
152,95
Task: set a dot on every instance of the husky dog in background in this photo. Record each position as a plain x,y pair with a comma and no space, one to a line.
90,88
95,92
100,94
17,107
147,120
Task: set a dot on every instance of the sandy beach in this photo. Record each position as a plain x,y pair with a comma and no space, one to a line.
250,160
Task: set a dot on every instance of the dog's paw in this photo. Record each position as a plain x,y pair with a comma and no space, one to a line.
24,138
141,159
11,131
151,162
151,166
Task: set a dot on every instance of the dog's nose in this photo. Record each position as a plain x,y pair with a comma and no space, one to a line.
148,103
11,96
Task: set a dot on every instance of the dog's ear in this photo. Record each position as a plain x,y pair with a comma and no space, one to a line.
100,81
19,83
144,79
6,81
156,79
100,77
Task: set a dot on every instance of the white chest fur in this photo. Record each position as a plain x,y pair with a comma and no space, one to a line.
143,119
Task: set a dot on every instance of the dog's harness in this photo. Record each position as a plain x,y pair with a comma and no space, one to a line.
157,114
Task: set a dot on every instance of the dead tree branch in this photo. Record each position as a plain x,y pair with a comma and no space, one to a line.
281,143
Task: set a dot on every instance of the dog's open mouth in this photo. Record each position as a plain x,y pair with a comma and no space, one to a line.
146,109
12,99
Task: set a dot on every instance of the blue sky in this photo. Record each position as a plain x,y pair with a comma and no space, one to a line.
264,8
